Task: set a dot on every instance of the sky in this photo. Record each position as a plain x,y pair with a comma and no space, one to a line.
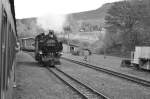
36,8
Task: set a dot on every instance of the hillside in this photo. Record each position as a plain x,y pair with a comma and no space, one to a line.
93,14
28,27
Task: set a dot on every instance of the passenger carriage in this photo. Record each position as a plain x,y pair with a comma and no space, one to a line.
8,48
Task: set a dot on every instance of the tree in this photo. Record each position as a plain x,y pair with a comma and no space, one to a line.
125,17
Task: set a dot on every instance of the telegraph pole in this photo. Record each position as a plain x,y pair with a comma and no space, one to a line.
68,41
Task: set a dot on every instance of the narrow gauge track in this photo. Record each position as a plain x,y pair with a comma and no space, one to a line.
114,73
84,90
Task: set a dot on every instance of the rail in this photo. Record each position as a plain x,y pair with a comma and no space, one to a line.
111,72
84,90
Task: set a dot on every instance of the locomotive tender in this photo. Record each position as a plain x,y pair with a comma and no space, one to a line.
8,44
48,49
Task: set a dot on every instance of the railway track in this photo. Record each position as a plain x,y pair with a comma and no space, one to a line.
114,73
82,89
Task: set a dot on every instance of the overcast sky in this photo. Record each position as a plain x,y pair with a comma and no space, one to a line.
35,8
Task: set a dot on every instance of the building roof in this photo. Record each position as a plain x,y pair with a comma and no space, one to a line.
74,45
27,38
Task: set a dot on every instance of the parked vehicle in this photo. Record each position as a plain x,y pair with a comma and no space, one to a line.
141,57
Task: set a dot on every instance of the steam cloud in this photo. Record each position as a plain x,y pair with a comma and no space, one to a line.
53,22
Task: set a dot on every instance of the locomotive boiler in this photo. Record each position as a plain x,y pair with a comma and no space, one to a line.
48,49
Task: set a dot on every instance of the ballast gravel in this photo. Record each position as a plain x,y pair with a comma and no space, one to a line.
113,87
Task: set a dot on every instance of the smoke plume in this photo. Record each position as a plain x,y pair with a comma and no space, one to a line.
53,22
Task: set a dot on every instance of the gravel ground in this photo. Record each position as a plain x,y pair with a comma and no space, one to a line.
111,86
112,63
35,82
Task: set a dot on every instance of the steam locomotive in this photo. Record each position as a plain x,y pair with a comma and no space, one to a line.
48,49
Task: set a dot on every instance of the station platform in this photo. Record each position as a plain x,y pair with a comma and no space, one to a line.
36,82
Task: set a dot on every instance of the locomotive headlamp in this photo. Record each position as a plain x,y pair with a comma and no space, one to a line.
40,52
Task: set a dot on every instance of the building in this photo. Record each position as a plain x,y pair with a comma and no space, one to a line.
75,49
27,43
